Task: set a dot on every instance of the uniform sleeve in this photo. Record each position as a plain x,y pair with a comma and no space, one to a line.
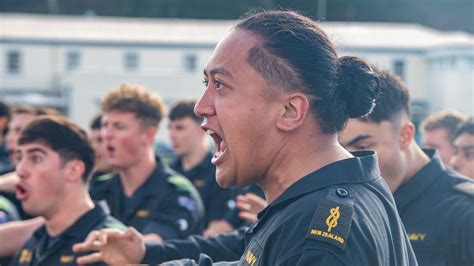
177,217
224,247
315,257
467,239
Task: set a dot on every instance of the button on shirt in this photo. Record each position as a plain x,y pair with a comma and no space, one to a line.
165,204
438,213
42,249
341,214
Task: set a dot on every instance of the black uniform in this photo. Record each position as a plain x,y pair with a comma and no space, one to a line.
217,201
165,204
342,214
437,210
42,249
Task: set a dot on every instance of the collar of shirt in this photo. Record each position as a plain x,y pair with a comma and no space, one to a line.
421,180
203,165
363,167
82,226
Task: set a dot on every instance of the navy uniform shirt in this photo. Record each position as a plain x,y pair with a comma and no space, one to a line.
341,214
42,249
217,201
437,210
165,204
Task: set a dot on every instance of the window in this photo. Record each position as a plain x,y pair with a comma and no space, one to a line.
399,68
73,60
190,61
13,62
131,61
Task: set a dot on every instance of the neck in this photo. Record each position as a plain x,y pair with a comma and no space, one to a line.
72,208
297,159
193,158
135,175
416,159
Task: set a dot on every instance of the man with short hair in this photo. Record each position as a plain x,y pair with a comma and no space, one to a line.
144,193
463,155
191,145
435,204
438,131
55,160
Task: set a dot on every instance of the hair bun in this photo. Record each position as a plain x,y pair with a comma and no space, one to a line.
358,86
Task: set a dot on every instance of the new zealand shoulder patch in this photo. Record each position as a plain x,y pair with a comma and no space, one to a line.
331,223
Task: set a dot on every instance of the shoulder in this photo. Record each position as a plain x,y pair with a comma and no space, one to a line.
102,183
8,211
113,223
179,183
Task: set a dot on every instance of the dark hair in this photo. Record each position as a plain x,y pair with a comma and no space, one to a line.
147,107
4,109
96,122
296,54
466,127
448,120
184,108
392,100
62,136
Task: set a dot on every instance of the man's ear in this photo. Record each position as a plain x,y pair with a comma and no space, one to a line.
407,134
295,109
151,133
74,169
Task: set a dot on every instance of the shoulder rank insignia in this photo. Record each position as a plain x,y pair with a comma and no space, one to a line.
331,223
181,183
466,188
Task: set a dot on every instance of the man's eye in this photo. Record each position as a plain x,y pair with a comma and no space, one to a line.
218,84
469,155
205,82
36,159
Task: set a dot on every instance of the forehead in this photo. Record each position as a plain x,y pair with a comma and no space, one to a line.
437,133
34,146
464,139
186,120
21,119
118,116
232,50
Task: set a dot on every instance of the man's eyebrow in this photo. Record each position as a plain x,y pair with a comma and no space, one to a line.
219,70
357,139
466,147
32,150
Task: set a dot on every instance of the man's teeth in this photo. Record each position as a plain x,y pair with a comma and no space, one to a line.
210,132
218,154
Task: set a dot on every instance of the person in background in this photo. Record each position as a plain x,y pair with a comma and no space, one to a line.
435,204
463,155
438,131
102,169
143,193
21,116
5,163
54,162
192,147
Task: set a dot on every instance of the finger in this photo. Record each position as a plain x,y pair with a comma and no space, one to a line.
92,258
247,216
256,203
87,245
243,206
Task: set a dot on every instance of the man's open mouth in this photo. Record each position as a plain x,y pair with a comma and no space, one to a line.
220,143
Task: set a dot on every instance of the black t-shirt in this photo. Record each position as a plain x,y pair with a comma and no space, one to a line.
341,214
437,208
165,204
42,249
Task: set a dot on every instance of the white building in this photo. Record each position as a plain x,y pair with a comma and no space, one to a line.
70,62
